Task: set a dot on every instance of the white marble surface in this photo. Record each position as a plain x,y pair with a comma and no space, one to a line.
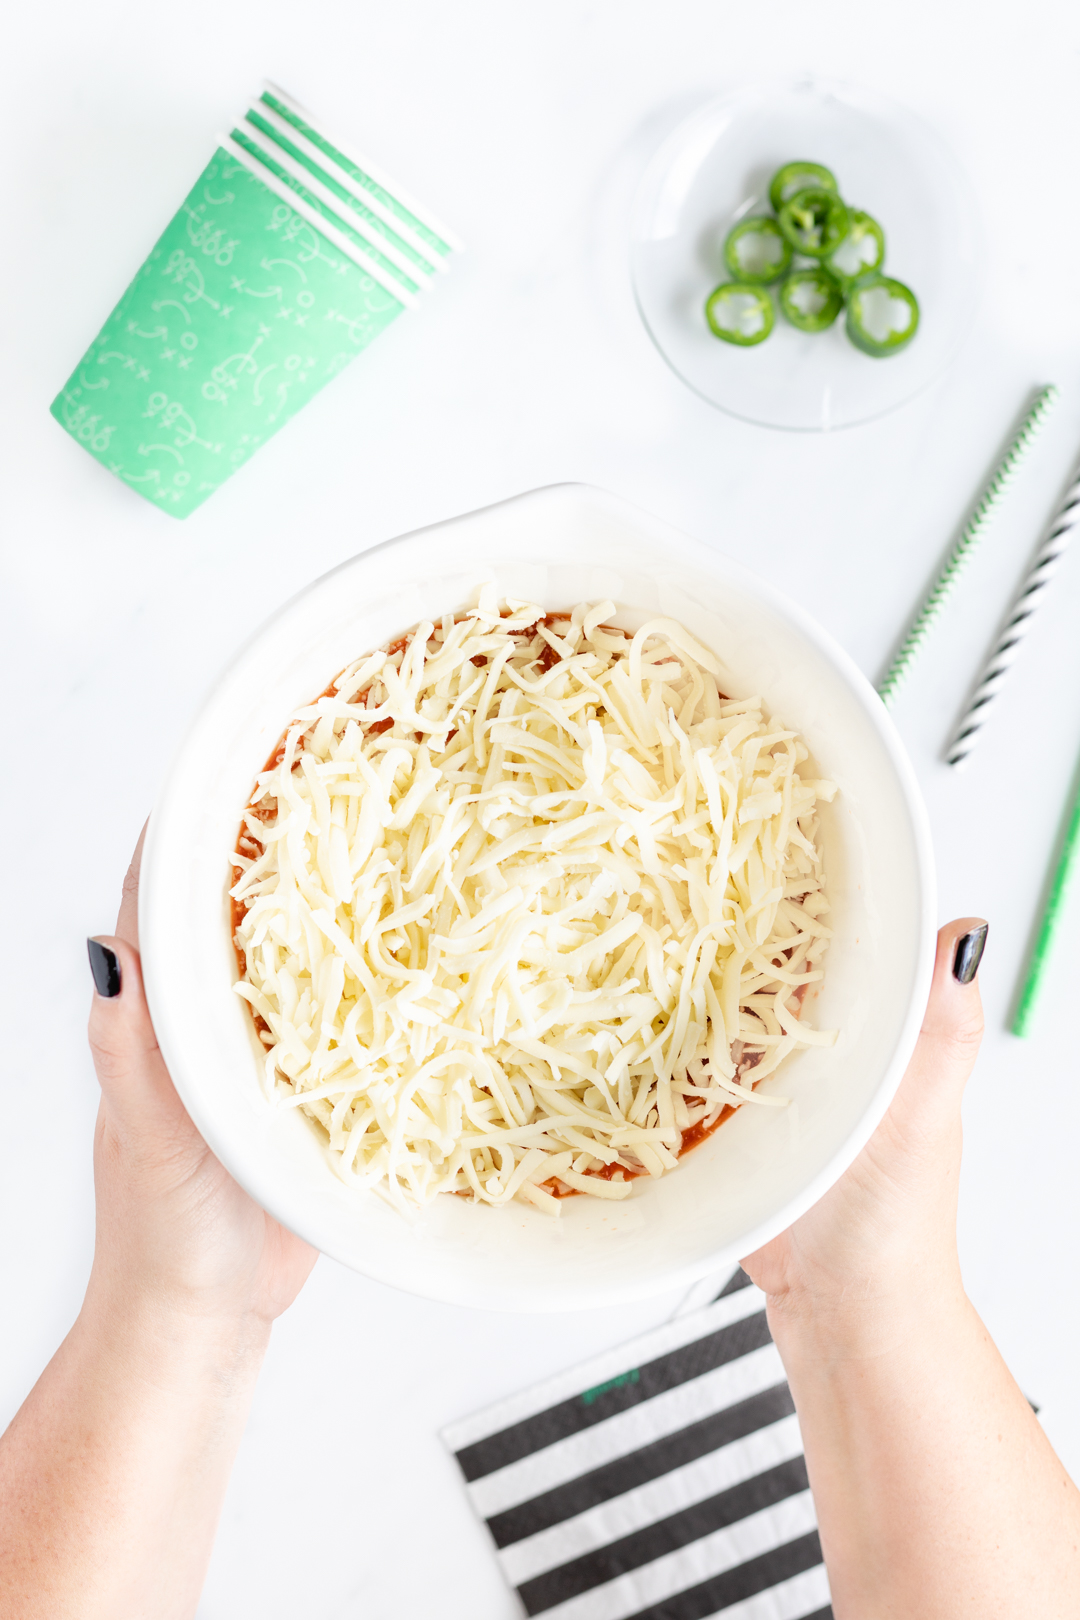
526,128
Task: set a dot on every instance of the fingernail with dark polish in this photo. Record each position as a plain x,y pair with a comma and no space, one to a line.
105,968
969,949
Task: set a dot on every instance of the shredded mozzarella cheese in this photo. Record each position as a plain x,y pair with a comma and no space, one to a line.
523,900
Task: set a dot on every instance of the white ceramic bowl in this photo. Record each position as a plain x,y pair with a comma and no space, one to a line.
555,546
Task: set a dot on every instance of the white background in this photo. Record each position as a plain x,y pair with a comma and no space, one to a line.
525,126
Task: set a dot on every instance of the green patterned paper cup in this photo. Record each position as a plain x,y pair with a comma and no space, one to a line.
284,261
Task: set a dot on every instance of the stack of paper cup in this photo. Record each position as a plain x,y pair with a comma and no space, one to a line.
287,257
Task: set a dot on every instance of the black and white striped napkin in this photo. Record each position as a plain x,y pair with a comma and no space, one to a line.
664,1480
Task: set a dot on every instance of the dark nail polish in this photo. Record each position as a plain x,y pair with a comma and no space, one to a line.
105,968
969,949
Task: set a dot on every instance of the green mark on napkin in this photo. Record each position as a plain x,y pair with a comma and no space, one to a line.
258,292
594,1394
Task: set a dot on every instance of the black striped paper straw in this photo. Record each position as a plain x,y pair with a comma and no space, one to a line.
1025,604
960,556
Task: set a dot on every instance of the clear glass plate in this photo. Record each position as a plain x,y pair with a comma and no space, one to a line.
715,169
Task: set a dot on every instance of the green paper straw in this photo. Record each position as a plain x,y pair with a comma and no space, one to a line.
1051,919
970,536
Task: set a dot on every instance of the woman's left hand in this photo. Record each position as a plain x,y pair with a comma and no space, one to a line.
113,1471
171,1221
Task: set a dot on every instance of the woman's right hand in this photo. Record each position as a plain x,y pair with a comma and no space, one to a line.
886,1231
937,1494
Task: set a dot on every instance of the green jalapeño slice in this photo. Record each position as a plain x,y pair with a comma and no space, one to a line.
740,312
862,249
794,177
757,250
811,299
882,315
815,222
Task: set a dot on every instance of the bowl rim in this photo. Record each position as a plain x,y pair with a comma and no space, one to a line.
279,1200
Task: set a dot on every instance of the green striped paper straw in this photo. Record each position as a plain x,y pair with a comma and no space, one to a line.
1052,918
972,533
287,258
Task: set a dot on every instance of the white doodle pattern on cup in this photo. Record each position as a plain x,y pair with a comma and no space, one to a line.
243,310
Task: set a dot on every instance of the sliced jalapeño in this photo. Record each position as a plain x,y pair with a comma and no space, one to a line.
811,299
882,315
757,250
740,312
815,222
795,177
862,249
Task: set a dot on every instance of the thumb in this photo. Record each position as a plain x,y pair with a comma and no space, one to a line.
136,1089
952,1030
